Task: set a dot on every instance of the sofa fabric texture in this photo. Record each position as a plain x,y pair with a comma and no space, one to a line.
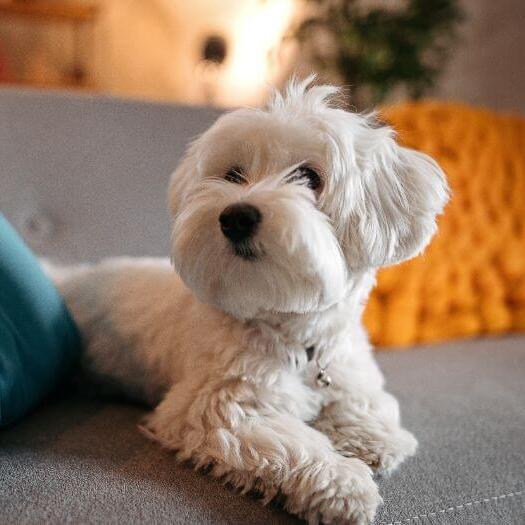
85,177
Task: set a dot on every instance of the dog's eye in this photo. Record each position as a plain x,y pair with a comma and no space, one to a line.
235,175
308,176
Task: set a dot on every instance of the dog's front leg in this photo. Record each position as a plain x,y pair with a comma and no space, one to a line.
362,421
271,452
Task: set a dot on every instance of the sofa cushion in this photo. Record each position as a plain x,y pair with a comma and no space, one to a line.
471,279
39,342
85,177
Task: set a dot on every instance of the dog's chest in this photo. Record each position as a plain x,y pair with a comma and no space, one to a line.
294,392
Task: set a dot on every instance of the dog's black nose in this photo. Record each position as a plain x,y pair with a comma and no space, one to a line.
239,221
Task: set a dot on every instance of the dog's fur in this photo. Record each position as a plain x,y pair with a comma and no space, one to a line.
222,356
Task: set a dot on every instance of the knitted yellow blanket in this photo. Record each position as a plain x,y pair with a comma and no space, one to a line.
471,279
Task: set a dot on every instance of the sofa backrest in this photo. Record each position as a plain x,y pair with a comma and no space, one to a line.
84,177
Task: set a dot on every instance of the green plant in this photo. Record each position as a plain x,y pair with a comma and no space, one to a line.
379,49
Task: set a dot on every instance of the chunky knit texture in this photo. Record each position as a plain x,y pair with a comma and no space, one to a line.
471,279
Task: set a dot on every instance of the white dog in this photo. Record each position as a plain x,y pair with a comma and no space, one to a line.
256,358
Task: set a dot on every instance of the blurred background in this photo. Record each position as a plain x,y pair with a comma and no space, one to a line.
463,58
225,52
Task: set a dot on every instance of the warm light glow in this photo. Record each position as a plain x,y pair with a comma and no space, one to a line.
256,33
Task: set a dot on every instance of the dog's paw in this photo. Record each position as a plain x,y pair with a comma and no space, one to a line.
386,454
343,493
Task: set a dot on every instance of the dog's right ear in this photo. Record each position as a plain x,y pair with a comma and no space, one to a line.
182,180
395,199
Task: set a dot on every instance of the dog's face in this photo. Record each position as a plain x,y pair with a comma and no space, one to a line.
278,209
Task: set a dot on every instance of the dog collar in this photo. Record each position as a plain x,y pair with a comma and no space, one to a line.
322,380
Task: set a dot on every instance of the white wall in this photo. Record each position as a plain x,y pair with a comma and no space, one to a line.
488,66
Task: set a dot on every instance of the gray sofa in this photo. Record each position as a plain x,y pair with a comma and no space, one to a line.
83,178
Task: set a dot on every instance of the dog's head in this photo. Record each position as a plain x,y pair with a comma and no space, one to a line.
278,209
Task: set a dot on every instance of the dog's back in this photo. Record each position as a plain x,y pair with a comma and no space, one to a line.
112,302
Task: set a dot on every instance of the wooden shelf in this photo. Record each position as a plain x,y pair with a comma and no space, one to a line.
50,11
55,11
67,85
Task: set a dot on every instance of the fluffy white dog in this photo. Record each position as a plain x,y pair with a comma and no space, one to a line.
255,355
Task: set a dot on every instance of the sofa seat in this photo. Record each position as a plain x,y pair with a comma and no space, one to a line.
81,459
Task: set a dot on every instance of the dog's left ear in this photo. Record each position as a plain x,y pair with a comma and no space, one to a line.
396,199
